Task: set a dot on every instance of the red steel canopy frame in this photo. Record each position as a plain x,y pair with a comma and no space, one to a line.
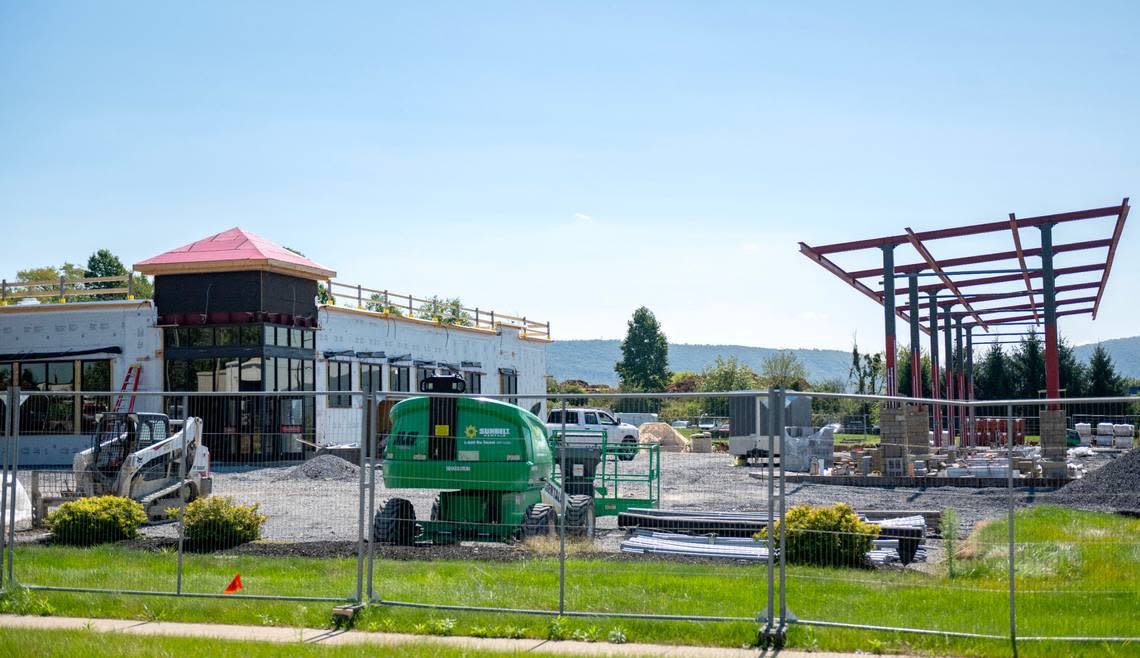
960,289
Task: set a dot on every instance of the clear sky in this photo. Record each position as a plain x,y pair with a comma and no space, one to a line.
570,161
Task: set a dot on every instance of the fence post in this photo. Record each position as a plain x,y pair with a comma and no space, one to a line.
62,289
181,492
14,440
781,422
1012,612
771,430
374,413
562,516
9,429
364,432
130,285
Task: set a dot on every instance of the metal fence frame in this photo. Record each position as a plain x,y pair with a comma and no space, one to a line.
773,621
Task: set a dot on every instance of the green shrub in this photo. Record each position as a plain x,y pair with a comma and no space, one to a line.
90,521
216,522
827,536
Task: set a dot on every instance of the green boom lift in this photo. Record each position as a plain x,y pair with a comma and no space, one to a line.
491,459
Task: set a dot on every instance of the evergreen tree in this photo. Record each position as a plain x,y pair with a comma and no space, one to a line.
103,263
993,376
903,374
1028,366
1104,381
1073,374
644,364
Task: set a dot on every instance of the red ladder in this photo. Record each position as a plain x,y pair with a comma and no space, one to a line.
131,380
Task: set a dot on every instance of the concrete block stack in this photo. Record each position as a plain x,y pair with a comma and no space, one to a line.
1053,434
916,424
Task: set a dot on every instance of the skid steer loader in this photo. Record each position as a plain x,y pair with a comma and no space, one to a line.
135,455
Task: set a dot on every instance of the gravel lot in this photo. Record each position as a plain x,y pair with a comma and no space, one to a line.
301,509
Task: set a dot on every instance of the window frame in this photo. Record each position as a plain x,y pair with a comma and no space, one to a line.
336,372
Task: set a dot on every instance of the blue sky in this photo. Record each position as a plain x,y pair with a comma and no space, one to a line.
570,161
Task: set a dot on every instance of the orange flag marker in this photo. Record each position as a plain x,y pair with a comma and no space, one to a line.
234,585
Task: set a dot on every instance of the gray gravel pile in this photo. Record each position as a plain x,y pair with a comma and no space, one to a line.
1112,487
325,467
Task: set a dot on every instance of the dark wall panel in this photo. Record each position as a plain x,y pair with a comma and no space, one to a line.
235,291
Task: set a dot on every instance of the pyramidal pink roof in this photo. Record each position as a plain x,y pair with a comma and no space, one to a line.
235,249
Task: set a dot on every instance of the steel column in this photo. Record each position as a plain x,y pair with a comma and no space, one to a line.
949,339
915,345
889,317
970,383
960,383
1048,281
935,371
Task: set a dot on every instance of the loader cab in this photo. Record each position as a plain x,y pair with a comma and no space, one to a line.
118,435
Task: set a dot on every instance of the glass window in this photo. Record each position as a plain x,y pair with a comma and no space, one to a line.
295,381
270,373
202,375
61,376
227,336
308,374
228,374
282,375
177,376
96,376
398,379
177,337
509,385
307,339
422,374
251,335
474,382
295,337
340,379
370,375
251,374
606,419
591,418
270,334
282,336
5,375
201,336
33,376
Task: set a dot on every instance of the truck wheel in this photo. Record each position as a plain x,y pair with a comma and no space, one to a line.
539,520
395,523
580,516
628,449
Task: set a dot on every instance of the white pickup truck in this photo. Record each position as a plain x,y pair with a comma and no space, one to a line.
618,434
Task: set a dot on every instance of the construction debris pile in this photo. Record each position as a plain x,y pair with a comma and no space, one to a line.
734,536
1113,487
663,434
324,467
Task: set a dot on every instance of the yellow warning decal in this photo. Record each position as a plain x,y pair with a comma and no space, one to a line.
443,430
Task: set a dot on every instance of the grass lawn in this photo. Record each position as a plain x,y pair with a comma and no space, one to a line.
857,439
92,644
1077,575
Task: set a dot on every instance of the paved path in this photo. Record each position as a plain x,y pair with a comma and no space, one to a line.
329,637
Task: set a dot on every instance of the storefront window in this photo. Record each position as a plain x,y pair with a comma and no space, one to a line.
398,379
61,376
251,335
227,336
251,374
33,376
474,381
201,336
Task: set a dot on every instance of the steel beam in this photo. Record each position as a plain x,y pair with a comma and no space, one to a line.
1116,231
937,269
828,265
1023,307
970,383
986,258
959,371
987,297
948,335
1022,319
972,229
1021,259
1006,278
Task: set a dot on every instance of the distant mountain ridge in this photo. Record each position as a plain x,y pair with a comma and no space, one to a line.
1125,353
593,360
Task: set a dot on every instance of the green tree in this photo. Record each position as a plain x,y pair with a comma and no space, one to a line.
993,376
49,273
1104,381
103,263
1073,373
866,374
903,375
726,375
784,369
644,364
376,303
1028,366
447,311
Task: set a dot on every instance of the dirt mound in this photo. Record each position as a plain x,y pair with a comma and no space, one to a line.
1114,486
324,467
662,433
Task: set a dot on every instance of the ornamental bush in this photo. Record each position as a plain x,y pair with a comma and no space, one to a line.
827,536
97,520
216,522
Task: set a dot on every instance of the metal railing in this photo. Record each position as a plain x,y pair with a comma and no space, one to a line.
65,289
974,539
434,309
